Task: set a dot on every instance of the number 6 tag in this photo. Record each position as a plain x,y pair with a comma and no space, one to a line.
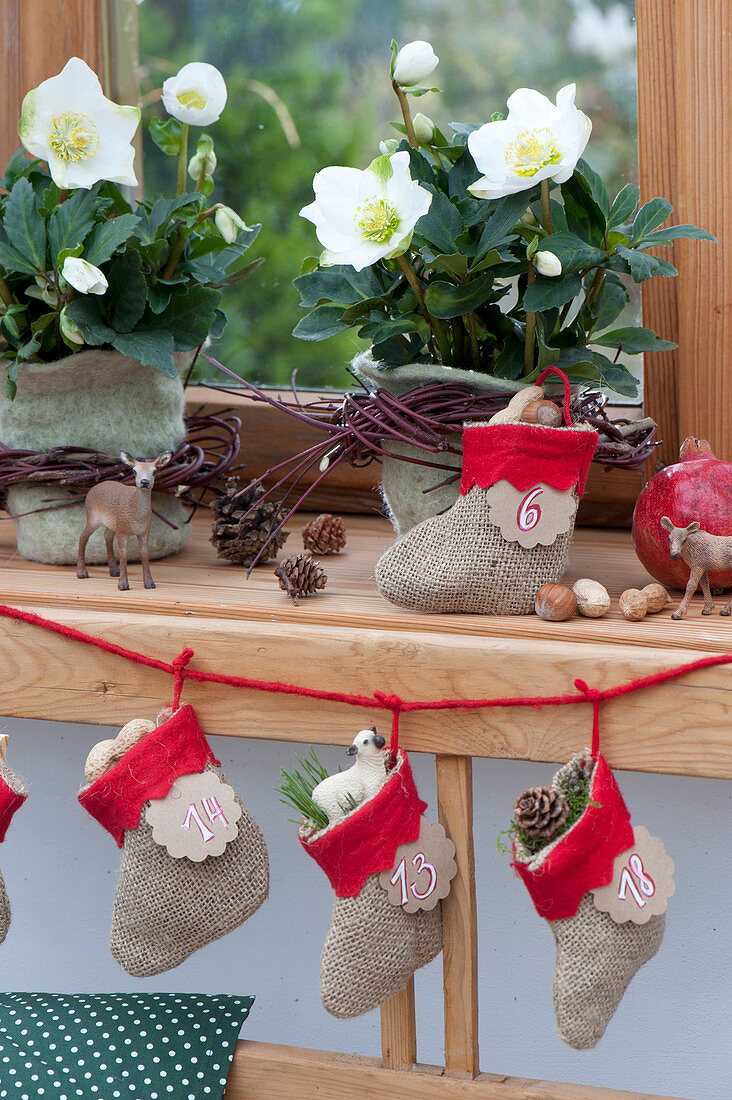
422,871
642,881
533,516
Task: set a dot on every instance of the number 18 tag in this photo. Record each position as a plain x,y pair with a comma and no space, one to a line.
642,881
422,871
197,818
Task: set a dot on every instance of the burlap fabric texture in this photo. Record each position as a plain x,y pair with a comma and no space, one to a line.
372,949
165,909
596,958
16,784
460,562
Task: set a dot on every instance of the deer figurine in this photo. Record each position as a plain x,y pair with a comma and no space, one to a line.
703,553
124,510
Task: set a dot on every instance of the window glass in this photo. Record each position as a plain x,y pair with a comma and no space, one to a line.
309,86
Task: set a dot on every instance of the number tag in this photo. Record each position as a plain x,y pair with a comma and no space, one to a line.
422,871
537,515
642,881
197,818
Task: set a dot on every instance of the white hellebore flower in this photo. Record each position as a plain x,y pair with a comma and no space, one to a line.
196,94
546,263
539,140
362,217
414,63
424,127
69,329
202,162
85,137
228,223
83,276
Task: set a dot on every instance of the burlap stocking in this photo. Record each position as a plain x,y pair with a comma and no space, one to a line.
463,561
596,957
372,947
13,793
166,908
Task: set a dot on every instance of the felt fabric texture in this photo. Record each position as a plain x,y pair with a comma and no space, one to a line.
365,842
146,771
13,793
372,949
526,454
460,562
558,876
4,910
52,537
133,1046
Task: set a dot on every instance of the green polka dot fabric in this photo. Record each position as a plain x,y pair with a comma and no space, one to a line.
156,1046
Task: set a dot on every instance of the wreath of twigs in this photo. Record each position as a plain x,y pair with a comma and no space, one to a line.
359,426
210,449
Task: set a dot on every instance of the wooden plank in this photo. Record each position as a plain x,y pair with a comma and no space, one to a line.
39,37
263,1071
658,154
459,919
704,129
399,1030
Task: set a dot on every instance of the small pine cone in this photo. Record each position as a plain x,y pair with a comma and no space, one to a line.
326,534
239,537
540,811
300,576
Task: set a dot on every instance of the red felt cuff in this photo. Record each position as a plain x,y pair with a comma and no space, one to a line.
526,454
147,770
10,801
366,842
583,858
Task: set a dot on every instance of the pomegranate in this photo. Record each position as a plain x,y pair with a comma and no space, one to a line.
697,487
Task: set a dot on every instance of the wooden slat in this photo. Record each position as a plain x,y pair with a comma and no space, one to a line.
459,919
399,1030
704,128
658,155
262,1070
39,36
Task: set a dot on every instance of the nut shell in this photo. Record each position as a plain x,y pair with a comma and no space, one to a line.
555,602
656,597
593,599
545,413
633,604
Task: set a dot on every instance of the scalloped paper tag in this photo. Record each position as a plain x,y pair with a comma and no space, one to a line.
533,516
423,870
642,881
197,818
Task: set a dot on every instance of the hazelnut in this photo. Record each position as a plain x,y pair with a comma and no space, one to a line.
545,413
656,597
593,600
633,604
555,603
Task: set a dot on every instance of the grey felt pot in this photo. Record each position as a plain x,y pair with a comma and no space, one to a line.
101,400
406,487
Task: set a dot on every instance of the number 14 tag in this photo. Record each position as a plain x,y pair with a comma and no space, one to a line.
422,871
197,818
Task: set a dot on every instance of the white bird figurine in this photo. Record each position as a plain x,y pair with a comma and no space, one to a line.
336,795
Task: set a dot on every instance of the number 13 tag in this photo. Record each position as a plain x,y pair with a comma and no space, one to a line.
531,517
642,881
422,871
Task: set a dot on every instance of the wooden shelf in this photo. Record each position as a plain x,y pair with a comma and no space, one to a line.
350,639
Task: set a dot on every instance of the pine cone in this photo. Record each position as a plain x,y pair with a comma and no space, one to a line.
540,811
325,534
300,576
239,537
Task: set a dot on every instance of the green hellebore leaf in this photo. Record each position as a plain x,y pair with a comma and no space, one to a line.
153,348
320,324
106,237
546,293
677,232
573,253
445,300
595,185
69,225
441,225
127,293
650,216
623,205
167,135
642,266
633,340
25,228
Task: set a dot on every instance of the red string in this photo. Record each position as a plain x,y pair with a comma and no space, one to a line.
395,704
379,700
555,370
179,675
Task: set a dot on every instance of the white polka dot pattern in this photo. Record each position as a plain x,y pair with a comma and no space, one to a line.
124,1046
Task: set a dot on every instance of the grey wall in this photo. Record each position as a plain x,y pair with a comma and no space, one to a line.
671,1034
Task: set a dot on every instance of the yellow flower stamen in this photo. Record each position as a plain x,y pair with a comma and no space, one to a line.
192,98
73,137
376,220
531,151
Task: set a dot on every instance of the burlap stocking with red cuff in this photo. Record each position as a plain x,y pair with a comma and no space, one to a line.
13,794
596,957
466,560
166,908
372,947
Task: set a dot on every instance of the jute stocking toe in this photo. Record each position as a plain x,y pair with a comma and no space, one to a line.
13,793
166,908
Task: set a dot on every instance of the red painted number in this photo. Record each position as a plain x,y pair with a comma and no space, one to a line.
632,874
529,514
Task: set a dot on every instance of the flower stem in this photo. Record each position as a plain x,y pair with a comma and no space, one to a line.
530,336
406,114
546,209
437,328
6,293
474,348
182,160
